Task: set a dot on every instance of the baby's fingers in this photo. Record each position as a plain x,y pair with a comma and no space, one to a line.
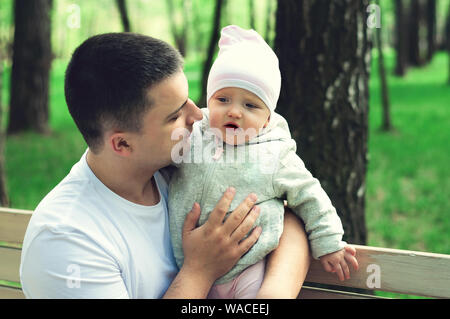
351,250
339,271
352,260
345,269
327,266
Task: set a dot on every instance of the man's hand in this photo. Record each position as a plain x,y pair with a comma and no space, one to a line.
212,249
337,262
215,247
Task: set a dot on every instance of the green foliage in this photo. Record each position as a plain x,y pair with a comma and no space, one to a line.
146,16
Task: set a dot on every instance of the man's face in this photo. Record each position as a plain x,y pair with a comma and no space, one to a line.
238,114
171,109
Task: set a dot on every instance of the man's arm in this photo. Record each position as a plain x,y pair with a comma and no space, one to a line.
212,249
288,264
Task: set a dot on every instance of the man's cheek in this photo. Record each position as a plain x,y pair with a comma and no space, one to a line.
180,144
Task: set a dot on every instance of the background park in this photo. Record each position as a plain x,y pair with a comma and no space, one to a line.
367,99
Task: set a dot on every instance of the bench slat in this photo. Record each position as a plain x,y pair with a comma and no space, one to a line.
13,224
10,263
400,271
320,293
11,293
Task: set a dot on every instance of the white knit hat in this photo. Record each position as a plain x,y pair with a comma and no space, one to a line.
245,61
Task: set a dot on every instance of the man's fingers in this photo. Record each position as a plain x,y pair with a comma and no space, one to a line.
248,243
218,214
237,216
246,225
191,218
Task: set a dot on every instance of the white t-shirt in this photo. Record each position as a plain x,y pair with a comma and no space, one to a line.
85,241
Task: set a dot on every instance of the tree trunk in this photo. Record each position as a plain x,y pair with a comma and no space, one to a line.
401,43
3,192
251,9
215,35
447,40
414,34
197,32
431,29
179,36
31,67
268,22
386,120
324,55
122,6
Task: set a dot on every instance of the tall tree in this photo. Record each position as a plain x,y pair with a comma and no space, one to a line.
324,55
415,15
4,201
179,34
431,28
215,34
401,38
122,6
268,21
386,119
447,38
32,58
251,10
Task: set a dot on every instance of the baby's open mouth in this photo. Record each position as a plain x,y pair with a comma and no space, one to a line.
232,126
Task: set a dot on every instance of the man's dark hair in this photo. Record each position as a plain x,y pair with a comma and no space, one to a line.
108,78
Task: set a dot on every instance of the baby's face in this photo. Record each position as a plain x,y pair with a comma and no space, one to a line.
238,114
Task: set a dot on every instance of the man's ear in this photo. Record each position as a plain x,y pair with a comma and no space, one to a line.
119,143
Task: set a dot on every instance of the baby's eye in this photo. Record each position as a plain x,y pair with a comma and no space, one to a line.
251,106
222,99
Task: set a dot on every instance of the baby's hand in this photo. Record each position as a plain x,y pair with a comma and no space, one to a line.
337,262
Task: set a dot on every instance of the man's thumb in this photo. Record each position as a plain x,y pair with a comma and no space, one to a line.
191,218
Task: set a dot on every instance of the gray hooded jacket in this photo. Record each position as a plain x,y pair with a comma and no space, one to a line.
268,166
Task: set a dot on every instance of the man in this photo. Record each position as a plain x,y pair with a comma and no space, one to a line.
103,231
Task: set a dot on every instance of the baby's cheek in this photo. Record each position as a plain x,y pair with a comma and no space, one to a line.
214,122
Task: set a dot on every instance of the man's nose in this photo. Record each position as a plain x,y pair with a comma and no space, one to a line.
195,113
234,112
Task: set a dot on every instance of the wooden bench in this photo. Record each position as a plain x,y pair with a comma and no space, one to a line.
381,269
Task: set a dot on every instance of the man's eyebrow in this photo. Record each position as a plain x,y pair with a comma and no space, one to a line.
174,112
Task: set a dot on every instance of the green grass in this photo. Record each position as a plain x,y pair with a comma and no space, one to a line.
408,178
34,163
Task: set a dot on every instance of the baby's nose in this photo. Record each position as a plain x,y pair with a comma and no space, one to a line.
234,112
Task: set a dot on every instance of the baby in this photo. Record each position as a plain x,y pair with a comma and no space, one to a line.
241,142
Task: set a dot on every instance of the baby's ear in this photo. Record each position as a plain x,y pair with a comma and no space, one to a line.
267,122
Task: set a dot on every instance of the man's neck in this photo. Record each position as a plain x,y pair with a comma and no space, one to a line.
133,184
